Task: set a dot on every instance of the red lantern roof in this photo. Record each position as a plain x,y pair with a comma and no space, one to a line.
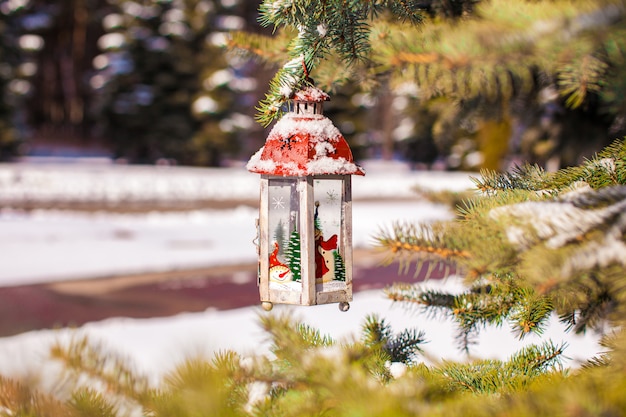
305,143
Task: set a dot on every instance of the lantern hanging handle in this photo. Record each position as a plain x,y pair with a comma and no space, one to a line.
305,69
307,79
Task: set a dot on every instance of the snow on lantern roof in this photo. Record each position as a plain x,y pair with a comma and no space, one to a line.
301,145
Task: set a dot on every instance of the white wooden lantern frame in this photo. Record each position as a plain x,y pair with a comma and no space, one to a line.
311,292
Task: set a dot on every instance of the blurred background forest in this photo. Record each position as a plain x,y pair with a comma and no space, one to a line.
153,81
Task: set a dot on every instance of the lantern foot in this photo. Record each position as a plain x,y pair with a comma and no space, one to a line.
343,306
266,305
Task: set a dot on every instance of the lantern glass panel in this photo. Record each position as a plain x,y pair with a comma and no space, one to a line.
284,235
330,272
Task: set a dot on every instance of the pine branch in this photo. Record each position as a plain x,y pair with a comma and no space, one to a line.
270,49
323,27
405,346
419,239
534,360
537,253
474,243
490,376
612,350
332,73
413,294
87,402
531,314
605,169
290,338
497,54
566,233
83,358
407,10
578,79
289,79
526,177
20,399
199,387
375,331
485,305
581,313
402,347
494,302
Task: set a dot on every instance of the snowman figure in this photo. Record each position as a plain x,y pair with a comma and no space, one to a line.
279,272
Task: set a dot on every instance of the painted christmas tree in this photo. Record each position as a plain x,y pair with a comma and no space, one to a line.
340,268
279,237
293,255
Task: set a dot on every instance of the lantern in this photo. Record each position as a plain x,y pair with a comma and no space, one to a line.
305,218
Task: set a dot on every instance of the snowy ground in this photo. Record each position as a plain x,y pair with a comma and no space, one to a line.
43,246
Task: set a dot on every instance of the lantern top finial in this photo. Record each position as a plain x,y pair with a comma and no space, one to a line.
305,142
310,94
308,99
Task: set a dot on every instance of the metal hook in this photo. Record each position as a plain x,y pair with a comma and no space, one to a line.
255,241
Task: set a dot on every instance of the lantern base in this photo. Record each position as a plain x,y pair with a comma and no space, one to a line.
344,306
267,306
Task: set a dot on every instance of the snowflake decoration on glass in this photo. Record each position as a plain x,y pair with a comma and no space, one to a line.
331,196
278,203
